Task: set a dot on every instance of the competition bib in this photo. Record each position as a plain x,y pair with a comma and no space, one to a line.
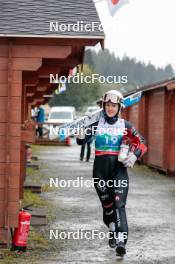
108,137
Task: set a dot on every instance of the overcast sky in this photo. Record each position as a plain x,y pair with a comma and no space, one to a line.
143,29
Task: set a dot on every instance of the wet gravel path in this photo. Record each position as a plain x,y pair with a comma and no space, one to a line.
150,210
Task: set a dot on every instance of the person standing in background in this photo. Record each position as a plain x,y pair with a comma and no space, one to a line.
40,119
88,154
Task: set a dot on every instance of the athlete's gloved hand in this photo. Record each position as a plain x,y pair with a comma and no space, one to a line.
81,133
130,160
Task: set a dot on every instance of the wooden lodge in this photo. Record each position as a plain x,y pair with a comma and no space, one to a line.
29,53
154,117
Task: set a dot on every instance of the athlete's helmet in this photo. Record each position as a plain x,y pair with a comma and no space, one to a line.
114,97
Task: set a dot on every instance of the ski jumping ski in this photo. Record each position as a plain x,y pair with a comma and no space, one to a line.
65,130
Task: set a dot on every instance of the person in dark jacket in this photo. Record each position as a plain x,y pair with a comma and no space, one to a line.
88,153
40,119
118,145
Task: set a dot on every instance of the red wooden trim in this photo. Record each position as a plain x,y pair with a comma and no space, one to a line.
22,167
55,41
167,128
41,51
8,150
27,64
165,131
145,125
4,50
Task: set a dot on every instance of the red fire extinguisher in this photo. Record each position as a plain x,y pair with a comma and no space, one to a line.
21,233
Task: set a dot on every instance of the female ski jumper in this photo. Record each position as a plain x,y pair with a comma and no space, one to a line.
110,175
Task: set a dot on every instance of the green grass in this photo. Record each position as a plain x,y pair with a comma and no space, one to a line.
30,171
38,242
47,188
35,199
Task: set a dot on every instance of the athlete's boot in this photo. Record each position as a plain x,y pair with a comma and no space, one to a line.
120,249
112,239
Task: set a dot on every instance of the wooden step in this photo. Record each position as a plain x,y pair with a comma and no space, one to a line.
38,217
35,188
33,166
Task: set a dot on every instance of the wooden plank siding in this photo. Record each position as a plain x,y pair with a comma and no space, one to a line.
155,136
26,59
10,109
154,117
171,145
24,69
134,115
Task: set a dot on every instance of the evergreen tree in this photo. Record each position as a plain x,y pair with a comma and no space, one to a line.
105,63
78,94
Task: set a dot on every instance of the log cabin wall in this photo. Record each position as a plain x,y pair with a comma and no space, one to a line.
133,115
171,132
15,60
10,138
29,52
154,117
155,128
